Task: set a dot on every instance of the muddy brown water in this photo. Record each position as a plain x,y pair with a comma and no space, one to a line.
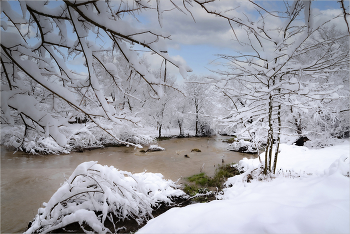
29,180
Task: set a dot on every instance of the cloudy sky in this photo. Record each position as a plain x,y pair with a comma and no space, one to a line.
198,39
198,42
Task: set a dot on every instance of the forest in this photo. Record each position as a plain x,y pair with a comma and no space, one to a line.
85,75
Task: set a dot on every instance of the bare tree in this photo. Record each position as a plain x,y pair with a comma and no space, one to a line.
199,100
267,78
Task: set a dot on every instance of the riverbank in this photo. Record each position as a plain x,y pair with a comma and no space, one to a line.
309,194
125,201
86,137
29,180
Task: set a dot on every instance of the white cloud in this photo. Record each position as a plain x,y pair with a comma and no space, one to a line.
216,32
211,30
155,62
206,29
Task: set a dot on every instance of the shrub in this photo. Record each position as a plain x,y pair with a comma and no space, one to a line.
94,194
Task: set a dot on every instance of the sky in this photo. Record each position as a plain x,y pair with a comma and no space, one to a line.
198,40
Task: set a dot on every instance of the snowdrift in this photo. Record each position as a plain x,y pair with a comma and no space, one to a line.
308,194
96,193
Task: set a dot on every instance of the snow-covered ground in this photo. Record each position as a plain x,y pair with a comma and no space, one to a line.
310,194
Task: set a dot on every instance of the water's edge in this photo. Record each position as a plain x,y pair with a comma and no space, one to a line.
29,180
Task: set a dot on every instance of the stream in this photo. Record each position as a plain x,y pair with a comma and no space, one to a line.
29,180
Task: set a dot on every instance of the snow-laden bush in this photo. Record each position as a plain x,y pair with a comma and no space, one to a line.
83,137
11,136
88,135
243,146
79,136
48,146
93,192
130,134
33,143
143,139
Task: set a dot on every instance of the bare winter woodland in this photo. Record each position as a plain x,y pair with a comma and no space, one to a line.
288,78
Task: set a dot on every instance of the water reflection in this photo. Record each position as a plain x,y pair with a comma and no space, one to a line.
29,180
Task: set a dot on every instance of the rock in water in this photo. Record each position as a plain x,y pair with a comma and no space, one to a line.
155,148
301,141
196,150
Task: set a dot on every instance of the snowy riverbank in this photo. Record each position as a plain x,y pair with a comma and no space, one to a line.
82,137
310,194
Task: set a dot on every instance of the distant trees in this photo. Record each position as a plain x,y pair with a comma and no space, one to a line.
287,75
286,69
38,89
327,116
200,106
158,112
179,114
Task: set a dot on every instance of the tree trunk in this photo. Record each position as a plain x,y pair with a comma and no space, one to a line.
160,131
180,127
297,122
268,153
197,120
278,133
278,139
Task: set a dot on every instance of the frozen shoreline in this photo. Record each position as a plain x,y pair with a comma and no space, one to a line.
308,193
311,197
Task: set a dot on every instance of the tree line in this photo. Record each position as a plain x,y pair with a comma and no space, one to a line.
286,78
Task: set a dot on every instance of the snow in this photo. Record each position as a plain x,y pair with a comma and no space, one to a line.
14,16
61,39
10,39
155,148
242,146
43,56
302,159
25,104
310,194
3,25
95,188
